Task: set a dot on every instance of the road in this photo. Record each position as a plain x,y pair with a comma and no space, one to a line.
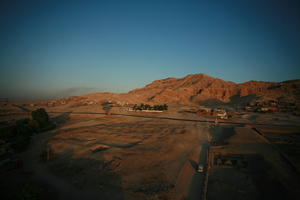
197,186
179,119
162,117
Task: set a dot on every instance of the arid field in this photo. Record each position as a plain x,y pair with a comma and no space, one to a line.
116,157
138,155
139,158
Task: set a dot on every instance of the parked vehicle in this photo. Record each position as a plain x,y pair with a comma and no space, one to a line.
200,168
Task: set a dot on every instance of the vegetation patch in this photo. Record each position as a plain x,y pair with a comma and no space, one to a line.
19,134
149,107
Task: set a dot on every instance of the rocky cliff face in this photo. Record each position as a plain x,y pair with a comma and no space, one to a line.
200,87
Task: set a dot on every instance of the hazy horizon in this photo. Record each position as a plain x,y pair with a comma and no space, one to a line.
56,49
63,93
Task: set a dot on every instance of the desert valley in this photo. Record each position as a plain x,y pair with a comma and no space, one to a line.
149,100
196,137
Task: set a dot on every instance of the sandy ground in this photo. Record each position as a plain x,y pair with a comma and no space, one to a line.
287,139
265,175
143,158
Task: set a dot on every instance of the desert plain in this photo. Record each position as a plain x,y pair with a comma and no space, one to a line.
230,147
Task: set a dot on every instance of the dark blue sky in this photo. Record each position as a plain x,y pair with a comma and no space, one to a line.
74,47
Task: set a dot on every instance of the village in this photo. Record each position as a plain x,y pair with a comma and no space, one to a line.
273,106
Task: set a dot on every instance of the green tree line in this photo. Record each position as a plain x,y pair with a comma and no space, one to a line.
149,107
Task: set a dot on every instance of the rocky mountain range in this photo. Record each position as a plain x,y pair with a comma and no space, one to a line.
202,89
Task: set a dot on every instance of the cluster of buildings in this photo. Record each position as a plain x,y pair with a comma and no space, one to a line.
79,100
225,160
219,113
272,106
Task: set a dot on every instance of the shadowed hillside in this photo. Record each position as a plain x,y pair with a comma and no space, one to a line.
200,89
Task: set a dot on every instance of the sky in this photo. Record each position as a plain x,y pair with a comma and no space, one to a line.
52,49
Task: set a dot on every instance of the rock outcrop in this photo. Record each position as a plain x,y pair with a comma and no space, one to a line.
200,87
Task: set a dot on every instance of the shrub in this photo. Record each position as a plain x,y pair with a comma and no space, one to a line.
40,121
34,125
41,117
107,106
19,134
